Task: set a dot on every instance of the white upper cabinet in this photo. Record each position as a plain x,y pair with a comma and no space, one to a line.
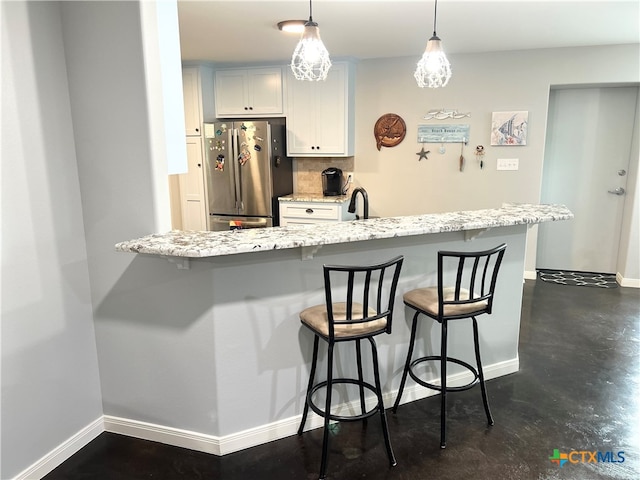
249,92
320,115
190,89
197,90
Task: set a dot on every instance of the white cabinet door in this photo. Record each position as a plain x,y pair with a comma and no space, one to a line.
192,198
265,91
231,92
197,91
331,112
190,92
252,92
301,123
320,117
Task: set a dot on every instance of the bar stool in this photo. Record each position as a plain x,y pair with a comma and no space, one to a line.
466,285
358,305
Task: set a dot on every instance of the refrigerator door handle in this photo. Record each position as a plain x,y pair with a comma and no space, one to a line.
234,142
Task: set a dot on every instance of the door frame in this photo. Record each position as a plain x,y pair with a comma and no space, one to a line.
628,258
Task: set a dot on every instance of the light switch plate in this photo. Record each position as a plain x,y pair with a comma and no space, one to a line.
507,164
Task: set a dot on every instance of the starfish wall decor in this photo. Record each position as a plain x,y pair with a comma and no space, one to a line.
423,154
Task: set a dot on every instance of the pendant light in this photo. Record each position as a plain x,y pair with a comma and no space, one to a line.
292,26
433,69
310,60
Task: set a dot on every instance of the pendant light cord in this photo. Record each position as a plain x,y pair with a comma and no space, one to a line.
311,11
435,16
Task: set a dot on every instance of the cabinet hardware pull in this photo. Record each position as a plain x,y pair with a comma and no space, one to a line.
309,210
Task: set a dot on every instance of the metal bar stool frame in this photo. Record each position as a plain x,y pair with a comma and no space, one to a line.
346,321
463,300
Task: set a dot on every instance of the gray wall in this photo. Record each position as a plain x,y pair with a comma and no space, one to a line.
481,84
50,382
154,352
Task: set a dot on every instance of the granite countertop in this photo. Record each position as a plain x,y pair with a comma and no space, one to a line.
194,244
314,197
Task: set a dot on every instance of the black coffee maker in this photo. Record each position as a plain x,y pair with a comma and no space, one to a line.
332,182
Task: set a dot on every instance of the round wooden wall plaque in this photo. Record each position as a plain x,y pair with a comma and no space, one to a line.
389,130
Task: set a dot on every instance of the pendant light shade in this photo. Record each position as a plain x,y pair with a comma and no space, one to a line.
310,60
433,69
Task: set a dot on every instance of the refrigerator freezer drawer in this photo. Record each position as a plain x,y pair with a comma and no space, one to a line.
219,224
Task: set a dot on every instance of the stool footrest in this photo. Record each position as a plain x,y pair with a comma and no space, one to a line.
433,386
342,418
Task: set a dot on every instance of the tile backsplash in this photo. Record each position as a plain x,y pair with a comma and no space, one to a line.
308,172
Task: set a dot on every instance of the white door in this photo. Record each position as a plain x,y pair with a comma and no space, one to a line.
588,146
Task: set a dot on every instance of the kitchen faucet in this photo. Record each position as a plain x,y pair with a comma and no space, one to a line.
365,198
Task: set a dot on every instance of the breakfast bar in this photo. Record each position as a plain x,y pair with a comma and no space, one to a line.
250,285
200,244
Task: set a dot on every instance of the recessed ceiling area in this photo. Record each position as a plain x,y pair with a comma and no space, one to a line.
244,31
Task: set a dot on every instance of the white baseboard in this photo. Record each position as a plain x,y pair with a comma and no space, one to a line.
282,428
203,442
627,282
236,441
62,452
158,433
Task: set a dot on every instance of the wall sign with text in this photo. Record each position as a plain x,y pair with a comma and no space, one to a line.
443,133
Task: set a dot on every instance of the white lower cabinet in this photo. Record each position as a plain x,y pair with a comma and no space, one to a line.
306,213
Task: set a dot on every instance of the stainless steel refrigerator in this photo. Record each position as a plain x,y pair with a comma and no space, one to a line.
246,170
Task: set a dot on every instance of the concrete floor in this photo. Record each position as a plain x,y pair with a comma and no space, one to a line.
578,390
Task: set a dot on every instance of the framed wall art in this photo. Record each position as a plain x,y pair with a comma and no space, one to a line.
509,128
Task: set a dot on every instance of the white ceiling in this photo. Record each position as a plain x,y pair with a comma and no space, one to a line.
245,31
